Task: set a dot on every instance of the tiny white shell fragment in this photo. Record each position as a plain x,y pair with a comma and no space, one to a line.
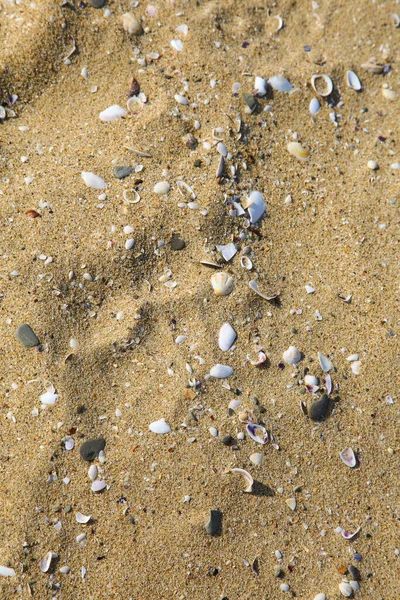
297,150
74,344
356,367
226,337
247,476
314,106
93,181
92,472
45,562
162,188
355,585
240,435
328,85
160,426
260,86
279,83
311,380
81,518
129,244
222,283
65,570
246,263
180,339
182,29
256,458
131,196
352,357
213,431
48,398
345,589
69,443
284,587
291,502
353,81
254,286
388,94
320,597
222,149
310,289
325,363
112,113
181,99
234,404
98,485
177,45
228,251
6,571
255,206
373,165
348,457
292,355
221,371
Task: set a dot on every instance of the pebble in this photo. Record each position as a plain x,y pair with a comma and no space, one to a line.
355,573
213,524
250,101
318,411
27,336
320,597
358,557
285,587
227,440
91,448
373,165
122,172
177,243
162,188
97,3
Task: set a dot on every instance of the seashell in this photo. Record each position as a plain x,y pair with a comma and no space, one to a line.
134,88
373,165
177,45
228,251
291,502
81,518
160,426
314,106
247,476
320,597
348,457
98,485
246,263
92,472
112,113
311,380
355,586
253,285
327,82
356,367
69,443
213,524
348,535
328,384
33,214
260,86
131,25
388,94
213,431
309,289
234,404
255,206
297,150
292,355
181,99
93,181
318,411
182,29
185,189
325,363
46,561
373,67
395,19
222,283
252,429
134,103
162,188
345,589
6,571
352,357
65,570
49,398
221,371
279,83
256,458
222,149
227,336
353,81
211,265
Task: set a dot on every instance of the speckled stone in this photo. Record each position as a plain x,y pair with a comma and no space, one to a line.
122,172
213,525
90,449
27,336
177,243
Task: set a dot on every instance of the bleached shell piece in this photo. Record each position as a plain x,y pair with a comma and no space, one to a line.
297,150
222,283
254,286
112,113
311,380
345,589
327,81
177,45
81,518
246,263
320,597
388,93
291,502
348,535
131,25
348,457
227,336
69,442
92,472
65,570
253,428
181,99
185,189
45,563
160,426
98,485
221,371
255,206
228,251
395,19
353,81
6,571
310,289
292,355
48,398
356,367
260,86
279,83
325,363
355,585
248,478
162,188
93,181
256,458
314,106
213,431
234,404
352,357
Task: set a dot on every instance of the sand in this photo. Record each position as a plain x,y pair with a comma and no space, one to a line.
339,233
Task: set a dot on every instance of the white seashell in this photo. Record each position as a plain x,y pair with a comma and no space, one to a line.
396,19
160,426
325,363
228,251
69,443
180,339
373,165
162,188
181,99
81,518
48,398
6,571
227,335
46,561
388,94
98,485
279,83
355,586
92,472
346,589
260,86
134,104
131,196
328,85
234,404
177,45
356,367
353,81
129,244
240,435
256,206
65,570
221,371
314,106
320,597
352,357
131,25
246,263
256,458
247,476
112,113
284,587
311,380
252,429
222,283
222,149
310,289
93,181
213,431
292,355
254,286
291,502
185,189
297,150
348,457
182,29
395,166
74,344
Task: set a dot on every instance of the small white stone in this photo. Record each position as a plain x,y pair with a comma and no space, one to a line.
373,165
213,431
160,427
93,472
119,316
284,587
74,343
93,181
98,485
181,99
129,244
112,113
162,188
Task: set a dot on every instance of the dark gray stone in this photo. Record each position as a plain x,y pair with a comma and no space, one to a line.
90,449
213,525
27,336
227,440
355,573
177,243
250,101
318,411
97,3
122,172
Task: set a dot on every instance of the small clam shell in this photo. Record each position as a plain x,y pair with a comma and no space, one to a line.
396,19
93,472
227,336
292,355
348,457
348,535
98,485
373,67
93,181
45,562
247,476
314,106
253,285
318,411
81,518
185,190
256,458
325,363
213,431
246,263
131,196
181,99
253,428
222,149
353,81
311,380
279,83
160,426
328,384
291,502
112,113
352,357
234,404
162,188
255,206
297,150
260,86
322,84
320,597
345,589
134,104
221,371
131,25
222,283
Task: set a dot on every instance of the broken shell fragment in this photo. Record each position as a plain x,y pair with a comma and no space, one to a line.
258,433
322,84
348,457
292,355
227,336
160,426
345,589
356,367
255,206
162,188
353,81
318,411
261,359
253,285
98,485
328,384
93,181
6,571
112,113
348,535
311,380
222,283
46,561
221,371
247,476
131,25
260,86
291,502
228,251
92,472
325,363
279,83
81,518
373,67
297,150
246,263
314,106
256,458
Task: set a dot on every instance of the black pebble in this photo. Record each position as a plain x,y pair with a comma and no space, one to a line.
27,336
355,573
227,440
177,243
122,172
90,449
97,3
213,524
318,411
